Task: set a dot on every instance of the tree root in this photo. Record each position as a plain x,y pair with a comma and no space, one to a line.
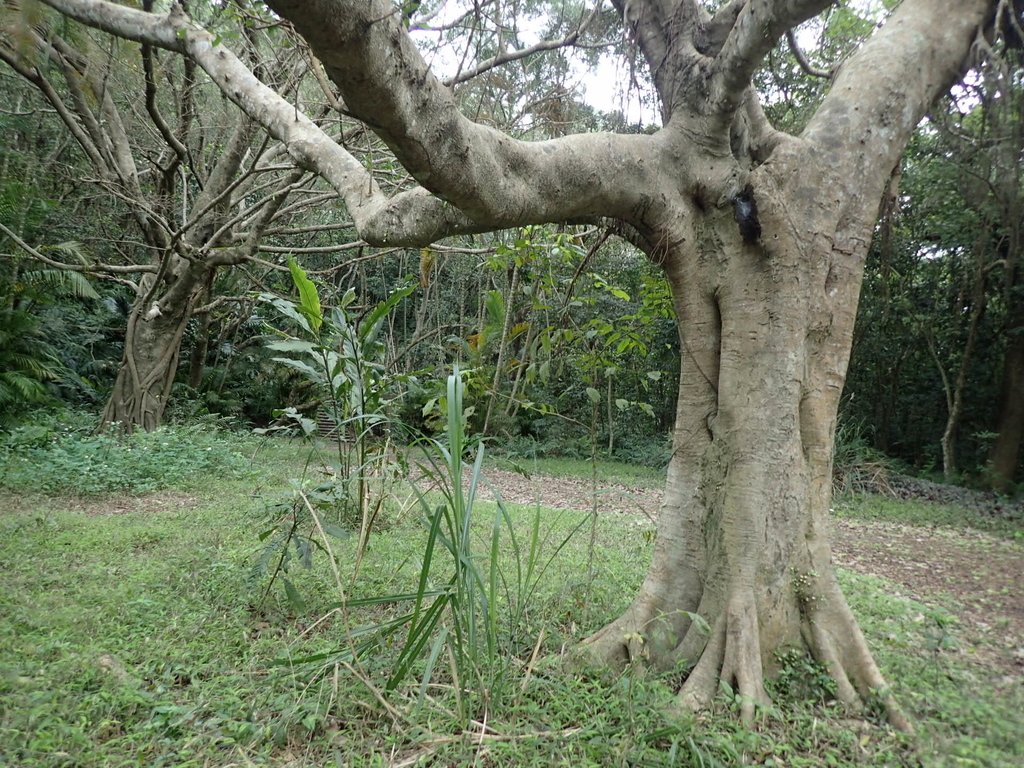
732,656
648,632
732,653
835,640
639,634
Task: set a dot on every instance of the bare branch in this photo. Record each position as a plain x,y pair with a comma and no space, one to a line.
423,24
179,149
34,76
267,210
414,218
336,248
544,45
312,230
801,59
89,269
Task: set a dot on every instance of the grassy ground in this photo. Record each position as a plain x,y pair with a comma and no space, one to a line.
611,472
133,632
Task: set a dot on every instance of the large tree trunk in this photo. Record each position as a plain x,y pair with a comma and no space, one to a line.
152,347
743,532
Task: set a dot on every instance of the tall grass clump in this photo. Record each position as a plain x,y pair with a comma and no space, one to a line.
493,571
463,631
857,467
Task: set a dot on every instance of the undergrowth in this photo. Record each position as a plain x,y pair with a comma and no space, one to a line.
61,453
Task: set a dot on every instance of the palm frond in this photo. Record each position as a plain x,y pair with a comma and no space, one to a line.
60,282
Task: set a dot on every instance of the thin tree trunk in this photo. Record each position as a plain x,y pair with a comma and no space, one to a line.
1004,458
152,347
611,419
506,329
512,408
955,390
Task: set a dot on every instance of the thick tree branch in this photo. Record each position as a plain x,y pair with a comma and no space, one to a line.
864,142
758,26
494,179
665,32
491,180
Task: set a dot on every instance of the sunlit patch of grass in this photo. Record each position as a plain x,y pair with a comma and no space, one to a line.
607,472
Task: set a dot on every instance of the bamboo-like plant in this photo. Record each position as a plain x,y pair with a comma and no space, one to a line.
343,359
476,581
478,614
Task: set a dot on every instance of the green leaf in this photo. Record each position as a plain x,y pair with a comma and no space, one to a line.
294,598
372,322
288,309
337,531
292,345
312,373
494,305
594,395
309,299
699,622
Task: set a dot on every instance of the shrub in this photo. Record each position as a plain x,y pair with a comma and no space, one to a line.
58,453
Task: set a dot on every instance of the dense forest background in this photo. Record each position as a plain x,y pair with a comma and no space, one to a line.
565,333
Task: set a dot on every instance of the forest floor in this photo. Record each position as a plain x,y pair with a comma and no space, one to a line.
975,575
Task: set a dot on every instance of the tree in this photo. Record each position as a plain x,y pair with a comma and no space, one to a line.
1005,103
761,234
172,163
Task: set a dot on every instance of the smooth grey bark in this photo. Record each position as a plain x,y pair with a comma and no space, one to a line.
765,322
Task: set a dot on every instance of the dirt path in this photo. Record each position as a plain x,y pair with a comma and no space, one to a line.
973,575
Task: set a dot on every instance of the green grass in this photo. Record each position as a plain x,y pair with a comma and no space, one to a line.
614,472
139,638
884,509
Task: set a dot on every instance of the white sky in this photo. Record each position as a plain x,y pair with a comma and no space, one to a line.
606,87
